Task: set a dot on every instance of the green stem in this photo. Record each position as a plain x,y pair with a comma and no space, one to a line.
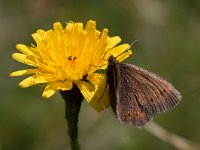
73,99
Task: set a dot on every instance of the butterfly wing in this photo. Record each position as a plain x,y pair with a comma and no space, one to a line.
141,94
113,80
122,98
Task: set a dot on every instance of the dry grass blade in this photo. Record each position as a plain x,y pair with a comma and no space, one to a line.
171,138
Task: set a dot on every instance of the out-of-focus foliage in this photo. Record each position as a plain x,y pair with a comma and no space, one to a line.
168,34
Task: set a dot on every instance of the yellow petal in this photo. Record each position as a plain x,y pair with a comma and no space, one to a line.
23,72
113,41
120,58
86,85
37,37
23,59
103,38
32,80
51,88
90,25
40,31
67,85
119,49
57,27
99,98
24,49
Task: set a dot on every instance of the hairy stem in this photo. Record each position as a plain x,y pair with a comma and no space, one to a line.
73,99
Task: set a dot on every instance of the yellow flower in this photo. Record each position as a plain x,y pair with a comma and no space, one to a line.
63,57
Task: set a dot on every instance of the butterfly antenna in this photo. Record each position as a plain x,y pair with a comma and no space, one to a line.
133,43
127,48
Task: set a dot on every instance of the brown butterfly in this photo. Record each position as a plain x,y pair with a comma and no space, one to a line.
137,94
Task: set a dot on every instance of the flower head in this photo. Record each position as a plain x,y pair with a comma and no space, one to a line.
63,57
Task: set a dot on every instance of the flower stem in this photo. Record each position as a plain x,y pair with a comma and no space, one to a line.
73,99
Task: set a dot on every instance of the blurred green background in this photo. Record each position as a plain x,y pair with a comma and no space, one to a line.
169,45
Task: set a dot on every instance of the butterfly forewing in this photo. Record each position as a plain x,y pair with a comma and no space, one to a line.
136,94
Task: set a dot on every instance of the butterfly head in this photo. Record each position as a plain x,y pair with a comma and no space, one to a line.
112,60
